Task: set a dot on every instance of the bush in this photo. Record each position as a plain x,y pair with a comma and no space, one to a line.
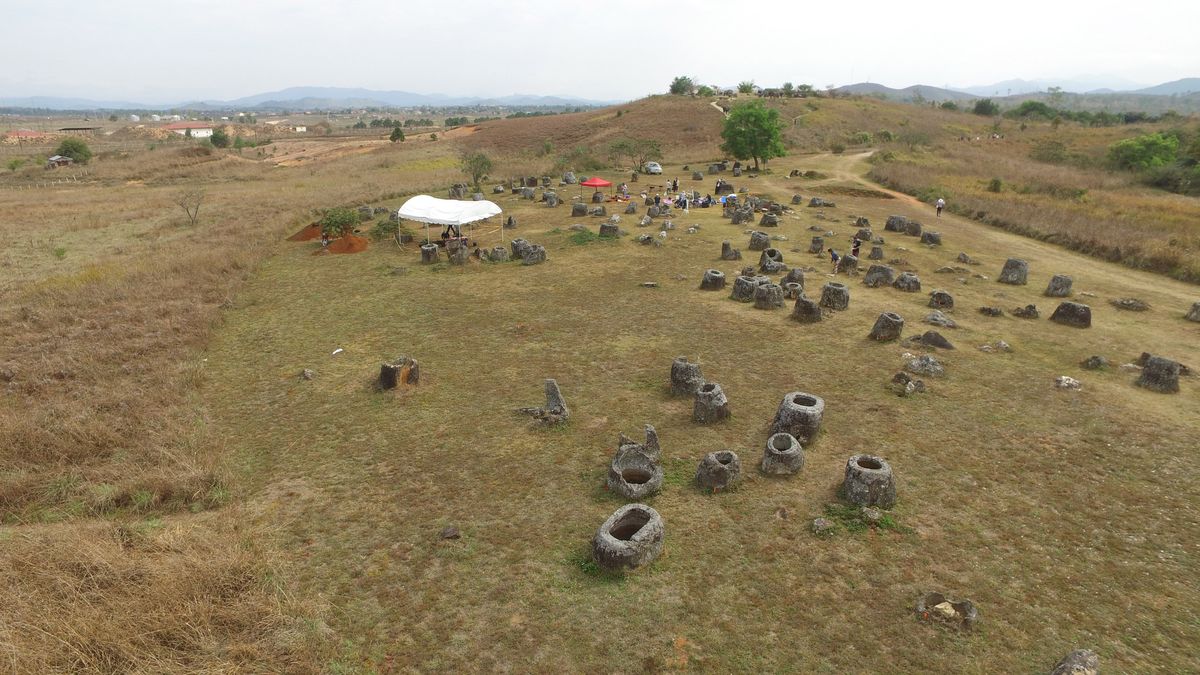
339,221
1175,178
949,105
986,107
1050,151
397,135
861,138
682,86
74,148
1144,152
885,136
837,148
745,87
995,185
706,91
219,138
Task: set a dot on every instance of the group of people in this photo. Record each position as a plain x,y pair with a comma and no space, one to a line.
855,246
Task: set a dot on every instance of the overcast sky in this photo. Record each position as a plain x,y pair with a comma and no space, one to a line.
172,50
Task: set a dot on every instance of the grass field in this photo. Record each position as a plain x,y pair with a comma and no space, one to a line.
176,498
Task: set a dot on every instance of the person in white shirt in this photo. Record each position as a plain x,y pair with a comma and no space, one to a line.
941,204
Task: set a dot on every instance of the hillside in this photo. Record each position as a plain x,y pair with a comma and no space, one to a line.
202,475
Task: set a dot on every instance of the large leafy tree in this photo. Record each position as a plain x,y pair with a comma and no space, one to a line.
74,148
682,86
476,165
753,131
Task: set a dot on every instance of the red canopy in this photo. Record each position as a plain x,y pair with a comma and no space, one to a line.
596,182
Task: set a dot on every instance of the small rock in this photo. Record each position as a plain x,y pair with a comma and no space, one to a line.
1066,382
871,515
649,284
450,532
1094,363
925,365
991,311
1130,304
306,374
822,527
1078,662
937,318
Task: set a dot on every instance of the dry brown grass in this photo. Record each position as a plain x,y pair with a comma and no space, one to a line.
1105,214
154,374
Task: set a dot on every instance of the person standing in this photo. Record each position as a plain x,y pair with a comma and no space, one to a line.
941,204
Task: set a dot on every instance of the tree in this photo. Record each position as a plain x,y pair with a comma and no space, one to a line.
219,138
949,105
74,148
805,90
190,200
789,89
14,164
645,150
397,134
753,131
1144,152
338,221
986,107
476,165
682,86
746,87
705,91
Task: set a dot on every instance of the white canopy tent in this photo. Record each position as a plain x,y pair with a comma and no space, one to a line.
434,211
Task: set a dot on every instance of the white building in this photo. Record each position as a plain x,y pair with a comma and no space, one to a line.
196,129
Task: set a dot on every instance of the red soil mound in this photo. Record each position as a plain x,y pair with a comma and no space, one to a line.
307,234
346,244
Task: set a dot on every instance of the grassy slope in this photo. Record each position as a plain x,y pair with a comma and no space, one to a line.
1046,508
130,580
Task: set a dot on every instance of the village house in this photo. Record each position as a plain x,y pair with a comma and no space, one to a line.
197,129
58,160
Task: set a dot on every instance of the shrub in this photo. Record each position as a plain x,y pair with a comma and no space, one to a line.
885,136
682,86
986,107
837,148
1050,151
14,164
397,135
338,221
861,138
706,91
949,105
74,148
219,138
995,185
745,87
1144,152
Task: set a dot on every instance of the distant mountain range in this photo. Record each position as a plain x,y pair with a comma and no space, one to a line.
306,98
1013,88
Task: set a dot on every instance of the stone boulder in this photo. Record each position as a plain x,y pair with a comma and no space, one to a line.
817,245
869,482
887,327
498,254
1078,662
879,275
991,311
771,261
907,282
932,338
792,290
1015,272
685,377
535,255
783,455
799,414
806,311
768,296
924,365
519,248
1059,286
569,178
578,210
719,470
936,318
597,197
713,280
429,254
1194,313
941,300
631,537
1073,314
696,175
896,224
633,474
528,193
745,285
555,410
835,296
631,208
405,369
912,228
1026,312
759,241
710,404
931,238
960,614
769,220
817,202
597,211
728,252
797,200
876,253
794,275
1159,374
848,264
